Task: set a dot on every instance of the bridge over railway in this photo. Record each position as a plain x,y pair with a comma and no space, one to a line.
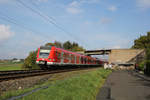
119,56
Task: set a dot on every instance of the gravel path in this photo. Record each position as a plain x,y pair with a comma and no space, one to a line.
125,85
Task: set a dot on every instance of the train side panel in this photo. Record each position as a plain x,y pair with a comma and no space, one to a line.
53,56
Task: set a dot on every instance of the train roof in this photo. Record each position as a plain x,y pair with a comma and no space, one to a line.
46,47
75,53
68,51
49,48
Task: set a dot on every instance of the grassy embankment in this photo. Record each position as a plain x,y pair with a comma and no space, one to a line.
79,87
10,66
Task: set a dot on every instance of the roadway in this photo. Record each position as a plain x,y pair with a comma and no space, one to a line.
125,85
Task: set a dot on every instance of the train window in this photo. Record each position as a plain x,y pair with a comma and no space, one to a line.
81,59
85,60
72,57
44,53
64,55
67,56
75,59
58,54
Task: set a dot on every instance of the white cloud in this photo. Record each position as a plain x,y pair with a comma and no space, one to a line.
144,4
74,10
39,1
42,0
105,20
112,8
5,33
89,1
75,6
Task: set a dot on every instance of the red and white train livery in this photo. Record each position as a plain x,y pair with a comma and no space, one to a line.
51,56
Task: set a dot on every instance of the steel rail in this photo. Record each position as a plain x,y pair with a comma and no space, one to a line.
9,75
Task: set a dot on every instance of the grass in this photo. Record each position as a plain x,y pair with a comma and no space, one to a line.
82,87
79,87
10,66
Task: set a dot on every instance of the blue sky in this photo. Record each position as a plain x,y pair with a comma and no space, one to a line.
94,24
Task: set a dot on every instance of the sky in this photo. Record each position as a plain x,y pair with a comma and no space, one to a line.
25,25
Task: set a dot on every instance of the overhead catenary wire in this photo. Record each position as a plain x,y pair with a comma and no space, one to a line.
15,22
49,20
37,7
46,18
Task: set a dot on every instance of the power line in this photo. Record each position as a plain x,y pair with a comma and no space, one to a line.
36,6
47,19
13,21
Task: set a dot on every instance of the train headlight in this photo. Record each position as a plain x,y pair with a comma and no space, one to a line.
53,59
49,59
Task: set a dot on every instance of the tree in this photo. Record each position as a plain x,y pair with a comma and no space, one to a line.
147,70
67,45
58,44
140,43
49,44
75,44
143,42
72,46
14,59
30,61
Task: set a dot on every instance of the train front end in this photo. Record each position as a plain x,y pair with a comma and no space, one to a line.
44,56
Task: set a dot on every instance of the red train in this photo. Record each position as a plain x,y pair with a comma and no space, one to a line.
50,56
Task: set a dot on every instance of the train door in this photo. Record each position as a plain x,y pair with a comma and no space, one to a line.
69,58
75,59
58,56
62,58
72,59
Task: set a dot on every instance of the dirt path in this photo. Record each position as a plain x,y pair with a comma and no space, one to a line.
125,85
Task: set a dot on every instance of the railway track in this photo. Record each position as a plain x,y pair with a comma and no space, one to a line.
9,75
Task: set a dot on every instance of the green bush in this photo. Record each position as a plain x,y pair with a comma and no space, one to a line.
30,61
147,70
141,65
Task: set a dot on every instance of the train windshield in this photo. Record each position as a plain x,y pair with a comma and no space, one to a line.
44,53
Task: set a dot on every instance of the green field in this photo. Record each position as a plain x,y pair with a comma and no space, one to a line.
79,87
10,66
